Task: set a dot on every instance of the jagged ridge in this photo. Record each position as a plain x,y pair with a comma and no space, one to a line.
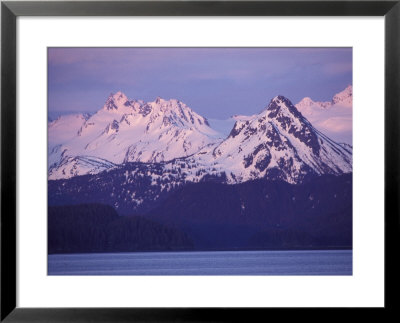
128,131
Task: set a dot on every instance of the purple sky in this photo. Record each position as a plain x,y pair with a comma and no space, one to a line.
214,82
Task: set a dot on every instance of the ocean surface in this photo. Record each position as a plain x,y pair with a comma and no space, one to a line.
277,263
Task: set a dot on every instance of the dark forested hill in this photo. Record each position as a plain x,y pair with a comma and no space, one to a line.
263,214
259,214
98,228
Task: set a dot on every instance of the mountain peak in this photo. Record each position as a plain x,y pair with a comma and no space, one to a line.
349,88
307,101
114,101
344,97
158,100
279,98
118,97
168,103
280,103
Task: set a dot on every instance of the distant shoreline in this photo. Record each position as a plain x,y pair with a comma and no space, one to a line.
333,248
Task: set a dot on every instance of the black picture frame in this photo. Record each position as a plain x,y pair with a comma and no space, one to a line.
10,10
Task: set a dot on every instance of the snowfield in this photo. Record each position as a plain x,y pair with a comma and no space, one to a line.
333,118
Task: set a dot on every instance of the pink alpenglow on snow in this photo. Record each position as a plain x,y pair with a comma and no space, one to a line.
334,118
126,131
279,142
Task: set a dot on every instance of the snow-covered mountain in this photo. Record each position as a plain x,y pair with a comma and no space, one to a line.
278,143
334,118
125,131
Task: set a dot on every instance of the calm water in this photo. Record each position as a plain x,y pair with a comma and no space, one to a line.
332,262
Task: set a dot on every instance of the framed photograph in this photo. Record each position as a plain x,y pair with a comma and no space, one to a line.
198,160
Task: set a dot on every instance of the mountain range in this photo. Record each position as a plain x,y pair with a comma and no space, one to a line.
275,180
279,142
125,131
